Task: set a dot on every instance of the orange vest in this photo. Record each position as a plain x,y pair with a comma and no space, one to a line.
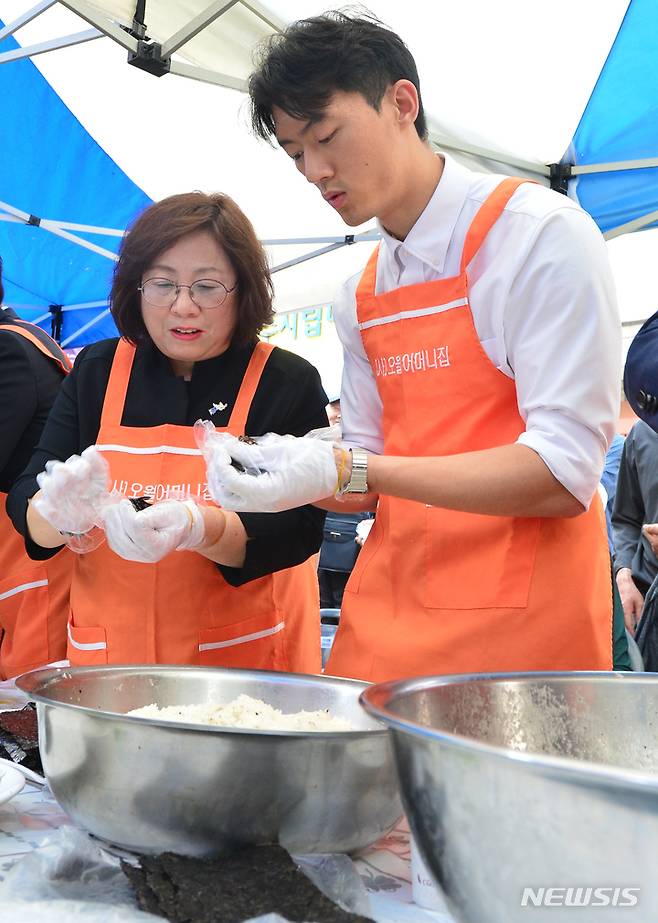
34,595
440,591
181,610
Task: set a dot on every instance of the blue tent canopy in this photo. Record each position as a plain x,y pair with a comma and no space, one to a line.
620,124
53,169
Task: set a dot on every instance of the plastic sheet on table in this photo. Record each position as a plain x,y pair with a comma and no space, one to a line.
72,877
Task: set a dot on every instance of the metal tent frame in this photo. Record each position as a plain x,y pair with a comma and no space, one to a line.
167,57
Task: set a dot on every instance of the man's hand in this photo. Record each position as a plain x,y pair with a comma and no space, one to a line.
273,474
632,600
651,532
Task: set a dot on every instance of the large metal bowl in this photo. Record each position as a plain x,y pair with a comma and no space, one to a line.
150,785
533,781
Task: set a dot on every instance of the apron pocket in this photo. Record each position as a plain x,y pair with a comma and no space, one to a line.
87,647
24,620
250,644
478,562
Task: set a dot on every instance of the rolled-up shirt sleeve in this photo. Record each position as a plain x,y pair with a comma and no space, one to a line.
563,340
360,404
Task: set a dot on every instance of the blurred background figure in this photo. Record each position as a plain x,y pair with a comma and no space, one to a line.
340,543
333,411
34,595
635,508
609,483
635,514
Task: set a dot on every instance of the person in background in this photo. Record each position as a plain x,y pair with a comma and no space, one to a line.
34,595
609,483
340,544
333,411
641,390
480,386
172,578
635,519
621,659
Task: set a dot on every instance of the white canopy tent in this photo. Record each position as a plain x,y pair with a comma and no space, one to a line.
504,86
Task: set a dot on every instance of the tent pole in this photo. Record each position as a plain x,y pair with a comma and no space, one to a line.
636,225
53,228
196,25
284,241
347,241
66,41
486,154
26,17
192,72
85,327
644,164
106,26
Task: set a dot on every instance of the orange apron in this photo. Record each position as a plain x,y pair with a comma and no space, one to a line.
440,591
181,610
34,595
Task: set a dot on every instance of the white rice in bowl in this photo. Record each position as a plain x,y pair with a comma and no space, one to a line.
246,712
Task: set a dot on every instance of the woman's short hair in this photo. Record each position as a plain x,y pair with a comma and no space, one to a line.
302,67
161,226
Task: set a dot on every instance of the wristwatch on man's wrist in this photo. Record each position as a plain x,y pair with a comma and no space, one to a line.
358,482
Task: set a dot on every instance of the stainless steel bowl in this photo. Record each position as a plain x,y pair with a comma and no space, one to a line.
532,781
151,785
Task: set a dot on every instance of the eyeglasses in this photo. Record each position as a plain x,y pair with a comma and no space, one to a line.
205,293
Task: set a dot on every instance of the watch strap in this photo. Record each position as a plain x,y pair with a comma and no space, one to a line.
358,482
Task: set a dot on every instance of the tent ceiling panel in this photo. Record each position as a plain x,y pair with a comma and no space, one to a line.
539,74
507,83
225,44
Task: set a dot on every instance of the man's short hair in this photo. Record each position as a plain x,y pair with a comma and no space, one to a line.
301,68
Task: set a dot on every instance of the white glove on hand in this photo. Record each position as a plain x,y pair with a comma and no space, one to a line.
73,492
151,534
283,472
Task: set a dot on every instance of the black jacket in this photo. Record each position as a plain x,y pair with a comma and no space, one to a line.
29,383
289,399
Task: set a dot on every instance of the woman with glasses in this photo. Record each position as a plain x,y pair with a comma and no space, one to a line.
163,575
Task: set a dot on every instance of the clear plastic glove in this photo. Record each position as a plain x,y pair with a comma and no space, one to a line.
149,535
332,433
278,472
74,492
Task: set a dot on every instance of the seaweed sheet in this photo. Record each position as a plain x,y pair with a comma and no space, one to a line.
19,738
231,889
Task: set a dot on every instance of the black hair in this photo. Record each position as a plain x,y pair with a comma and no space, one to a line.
301,68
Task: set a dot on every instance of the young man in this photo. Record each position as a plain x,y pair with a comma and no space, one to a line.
480,388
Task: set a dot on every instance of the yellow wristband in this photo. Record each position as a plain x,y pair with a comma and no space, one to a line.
342,465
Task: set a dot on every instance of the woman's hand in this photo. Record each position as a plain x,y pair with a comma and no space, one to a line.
149,535
73,493
275,473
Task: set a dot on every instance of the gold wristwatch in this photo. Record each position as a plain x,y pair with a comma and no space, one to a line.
358,482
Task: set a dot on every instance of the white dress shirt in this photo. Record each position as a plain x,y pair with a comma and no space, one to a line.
543,302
